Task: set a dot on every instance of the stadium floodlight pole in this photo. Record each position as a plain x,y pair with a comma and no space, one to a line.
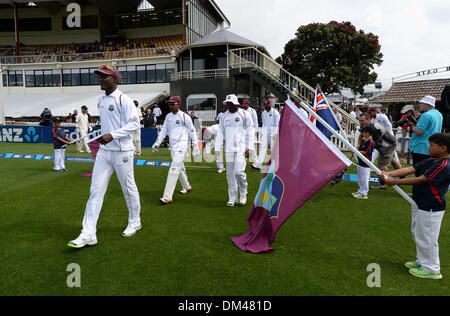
356,152
88,135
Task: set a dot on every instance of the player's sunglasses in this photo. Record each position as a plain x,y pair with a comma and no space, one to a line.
106,67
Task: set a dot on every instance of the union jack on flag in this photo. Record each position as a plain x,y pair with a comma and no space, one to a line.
320,106
319,103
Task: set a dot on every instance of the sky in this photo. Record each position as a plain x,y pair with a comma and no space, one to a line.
414,34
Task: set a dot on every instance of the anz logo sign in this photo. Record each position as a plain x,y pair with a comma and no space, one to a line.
19,134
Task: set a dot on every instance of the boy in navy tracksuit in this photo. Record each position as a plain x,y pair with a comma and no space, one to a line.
60,142
429,188
366,148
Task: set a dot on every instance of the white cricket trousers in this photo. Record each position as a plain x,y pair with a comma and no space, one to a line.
106,163
59,159
266,142
84,141
178,157
363,180
218,155
236,177
425,227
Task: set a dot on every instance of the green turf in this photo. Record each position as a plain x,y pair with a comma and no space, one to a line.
184,248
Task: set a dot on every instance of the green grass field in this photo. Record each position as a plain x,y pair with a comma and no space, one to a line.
185,248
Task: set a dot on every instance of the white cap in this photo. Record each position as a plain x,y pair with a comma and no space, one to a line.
407,108
431,101
231,98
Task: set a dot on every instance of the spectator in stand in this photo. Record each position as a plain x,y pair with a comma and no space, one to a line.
429,123
69,118
149,120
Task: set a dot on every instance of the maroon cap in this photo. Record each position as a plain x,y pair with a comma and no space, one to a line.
246,102
372,110
108,70
267,102
174,99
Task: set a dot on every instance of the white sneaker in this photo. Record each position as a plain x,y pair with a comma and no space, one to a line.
130,231
165,201
230,204
184,191
243,200
221,170
82,240
359,196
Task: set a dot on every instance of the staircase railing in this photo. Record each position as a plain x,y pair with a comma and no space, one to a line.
250,57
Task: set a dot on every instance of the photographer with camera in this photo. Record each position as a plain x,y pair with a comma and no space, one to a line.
429,123
408,115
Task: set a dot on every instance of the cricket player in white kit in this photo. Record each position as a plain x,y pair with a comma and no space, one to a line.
254,116
119,119
210,135
178,126
236,128
270,121
82,125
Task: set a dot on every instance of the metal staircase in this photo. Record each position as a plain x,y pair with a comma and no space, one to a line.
241,59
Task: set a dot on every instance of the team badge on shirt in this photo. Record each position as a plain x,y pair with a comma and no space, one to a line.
125,159
111,108
236,119
178,122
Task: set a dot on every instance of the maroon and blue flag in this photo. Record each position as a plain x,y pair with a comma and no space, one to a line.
302,162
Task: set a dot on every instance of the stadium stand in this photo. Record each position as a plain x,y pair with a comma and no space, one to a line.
109,49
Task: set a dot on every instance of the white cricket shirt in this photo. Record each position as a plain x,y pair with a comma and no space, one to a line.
270,121
83,121
118,117
179,128
236,129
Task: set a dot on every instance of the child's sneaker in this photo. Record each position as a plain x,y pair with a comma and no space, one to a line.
412,265
359,196
423,274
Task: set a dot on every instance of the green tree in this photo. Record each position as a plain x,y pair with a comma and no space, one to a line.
335,56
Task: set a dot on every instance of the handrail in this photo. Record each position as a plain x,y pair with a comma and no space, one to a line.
119,54
200,74
251,57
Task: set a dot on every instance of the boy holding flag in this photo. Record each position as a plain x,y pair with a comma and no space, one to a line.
429,188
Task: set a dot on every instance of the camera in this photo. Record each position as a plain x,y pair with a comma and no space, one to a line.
409,118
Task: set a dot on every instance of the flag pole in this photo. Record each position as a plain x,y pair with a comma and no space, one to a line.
88,135
334,116
355,151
